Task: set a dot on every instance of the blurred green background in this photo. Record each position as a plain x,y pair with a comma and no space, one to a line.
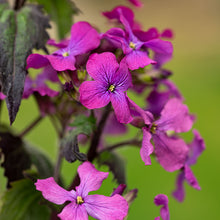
196,67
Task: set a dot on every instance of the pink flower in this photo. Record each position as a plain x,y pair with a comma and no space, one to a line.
111,81
162,199
84,38
81,204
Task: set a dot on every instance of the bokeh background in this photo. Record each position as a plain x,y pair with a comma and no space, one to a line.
196,67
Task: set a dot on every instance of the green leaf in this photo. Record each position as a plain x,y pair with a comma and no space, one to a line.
61,12
40,160
15,158
22,202
84,125
20,32
116,165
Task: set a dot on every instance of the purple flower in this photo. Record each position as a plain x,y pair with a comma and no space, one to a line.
170,151
157,99
127,12
111,81
195,149
136,3
162,199
84,38
2,96
135,49
39,85
81,204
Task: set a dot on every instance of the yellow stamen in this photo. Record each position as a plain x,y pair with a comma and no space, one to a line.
153,128
111,88
65,54
132,45
79,200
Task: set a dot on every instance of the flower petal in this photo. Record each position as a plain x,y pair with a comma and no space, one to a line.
136,59
106,208
102,67
73,212
90,178
121,107
196,148
53,192
160,46
147,148
179,192
61,63
190,178
162,199
122,79
175,116
93,94
37,61
171,152
83,38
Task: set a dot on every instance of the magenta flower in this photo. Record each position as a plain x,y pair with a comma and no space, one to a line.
135,47
111,81
157,99
195,149
81,204
84,38
170,151
128,14
39,84
162,199
136,3
2,96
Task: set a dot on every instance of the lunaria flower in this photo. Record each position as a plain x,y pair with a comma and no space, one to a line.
81,204
171,151
111,81
39,84
135,47
162,199
84,38
195,149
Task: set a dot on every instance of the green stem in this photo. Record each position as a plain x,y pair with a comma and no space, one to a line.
133,142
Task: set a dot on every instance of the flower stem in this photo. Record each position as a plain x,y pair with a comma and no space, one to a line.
32,125
92,152
133,142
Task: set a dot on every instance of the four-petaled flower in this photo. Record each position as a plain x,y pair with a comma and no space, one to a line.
111,81
81,204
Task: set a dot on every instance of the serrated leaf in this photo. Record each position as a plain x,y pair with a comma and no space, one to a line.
20,32
15,158
40,160
61,12
84,125
22,202
116,165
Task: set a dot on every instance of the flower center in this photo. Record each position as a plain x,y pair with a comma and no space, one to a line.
79,200
132,45
153,128
111,88
65,54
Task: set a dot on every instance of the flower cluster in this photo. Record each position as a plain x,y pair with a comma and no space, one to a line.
100,70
